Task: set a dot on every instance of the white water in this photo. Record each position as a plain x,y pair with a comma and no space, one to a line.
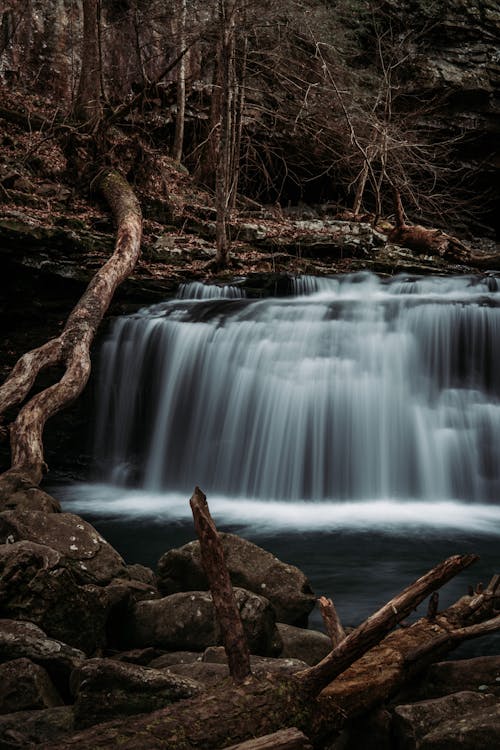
382,395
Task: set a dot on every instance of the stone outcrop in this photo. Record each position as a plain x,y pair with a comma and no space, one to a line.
251,568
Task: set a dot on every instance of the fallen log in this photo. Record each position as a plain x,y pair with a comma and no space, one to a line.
404,654
71,348
232,714
369,633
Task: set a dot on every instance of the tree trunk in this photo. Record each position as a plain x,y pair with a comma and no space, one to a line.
181,84
226,130
71,348
88,107
230,714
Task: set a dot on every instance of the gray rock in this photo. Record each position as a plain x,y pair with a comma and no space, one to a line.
308,645
208,674
466,720
25,639
250,567
35,585
29,498
175,657
105,689
142,656
142,574
120,596
25,685
261,665
481,674
81,547
186,621
24,729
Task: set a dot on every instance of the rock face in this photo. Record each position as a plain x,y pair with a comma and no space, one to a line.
105,689
251,568
459,67
186,621
25,685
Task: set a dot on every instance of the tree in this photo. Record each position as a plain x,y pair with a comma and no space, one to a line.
88,107
71,348
181,81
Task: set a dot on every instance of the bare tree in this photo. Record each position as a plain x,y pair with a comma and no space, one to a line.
88,106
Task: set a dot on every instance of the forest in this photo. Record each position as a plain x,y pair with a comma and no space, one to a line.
249,247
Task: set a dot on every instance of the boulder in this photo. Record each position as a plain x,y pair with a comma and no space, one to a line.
30,498
175,657
82,548
260,665
466,720
186,621
34,587
106,689
213,666
24,729
481,674
25,685
24,639
142,574
207,674
120,596
142,656
309,646
250,567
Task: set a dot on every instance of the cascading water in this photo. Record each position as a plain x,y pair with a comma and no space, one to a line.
352,428
356,389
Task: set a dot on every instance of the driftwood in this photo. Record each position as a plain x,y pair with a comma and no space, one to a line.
70,348
406,653
214,565
372,630
331,620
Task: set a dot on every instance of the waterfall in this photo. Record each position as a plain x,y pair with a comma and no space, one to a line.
353,389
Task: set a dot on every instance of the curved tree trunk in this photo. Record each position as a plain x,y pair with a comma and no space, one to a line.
71,348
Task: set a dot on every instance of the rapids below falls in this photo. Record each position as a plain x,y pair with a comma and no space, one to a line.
353,429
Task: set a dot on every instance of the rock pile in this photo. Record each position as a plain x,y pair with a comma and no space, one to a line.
86,638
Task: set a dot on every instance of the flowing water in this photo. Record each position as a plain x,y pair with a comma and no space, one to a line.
352,428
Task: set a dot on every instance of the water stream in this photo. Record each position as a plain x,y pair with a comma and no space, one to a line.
353,426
